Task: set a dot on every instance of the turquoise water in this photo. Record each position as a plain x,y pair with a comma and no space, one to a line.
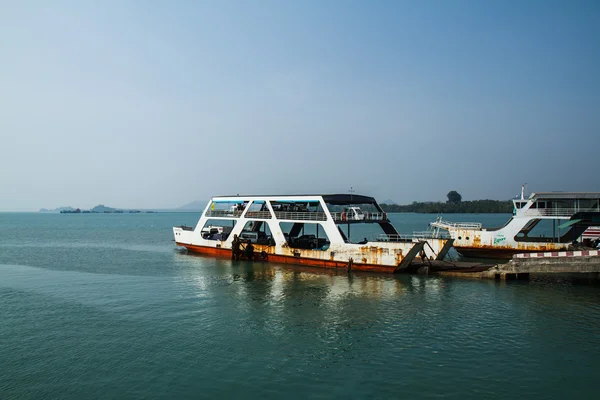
103,305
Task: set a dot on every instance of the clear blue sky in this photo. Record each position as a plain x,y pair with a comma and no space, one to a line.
160,103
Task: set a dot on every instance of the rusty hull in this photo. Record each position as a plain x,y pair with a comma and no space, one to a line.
506,252
470,243
369,258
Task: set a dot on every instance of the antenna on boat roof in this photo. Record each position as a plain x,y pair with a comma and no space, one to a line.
351,191
523,191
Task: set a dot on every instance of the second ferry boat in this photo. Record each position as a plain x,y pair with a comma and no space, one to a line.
312,230
543,222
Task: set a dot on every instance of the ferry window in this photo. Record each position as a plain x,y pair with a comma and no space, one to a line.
564,204
585,204
226,208
258,209
257,232
310,236
296,206
257,205
217,229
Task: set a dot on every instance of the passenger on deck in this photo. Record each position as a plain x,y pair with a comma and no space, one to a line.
249,250
235,248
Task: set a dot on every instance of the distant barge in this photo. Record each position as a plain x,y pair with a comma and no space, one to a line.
79,211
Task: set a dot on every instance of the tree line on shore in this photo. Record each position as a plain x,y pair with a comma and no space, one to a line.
453,205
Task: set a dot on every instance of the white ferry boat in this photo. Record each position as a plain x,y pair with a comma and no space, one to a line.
543,222
329,231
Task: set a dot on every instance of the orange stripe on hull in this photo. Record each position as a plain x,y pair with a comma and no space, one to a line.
277,258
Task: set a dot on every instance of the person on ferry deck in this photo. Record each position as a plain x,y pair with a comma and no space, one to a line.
235,248
249,250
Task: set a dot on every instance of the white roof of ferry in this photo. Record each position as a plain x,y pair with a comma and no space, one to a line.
328,198
565,195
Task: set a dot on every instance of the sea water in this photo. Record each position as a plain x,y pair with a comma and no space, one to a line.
105,306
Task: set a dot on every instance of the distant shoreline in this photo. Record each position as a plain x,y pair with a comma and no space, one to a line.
461,207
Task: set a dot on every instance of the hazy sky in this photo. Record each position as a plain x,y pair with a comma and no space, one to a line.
160,103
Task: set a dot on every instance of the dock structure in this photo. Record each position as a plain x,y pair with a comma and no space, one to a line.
559,262
520,266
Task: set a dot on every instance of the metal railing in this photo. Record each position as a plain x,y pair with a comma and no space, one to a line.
259,214
456,225
383,237
431,234
224,213
555,212
365,216
301,216
237,214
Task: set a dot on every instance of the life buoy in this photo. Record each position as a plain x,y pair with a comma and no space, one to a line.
263,255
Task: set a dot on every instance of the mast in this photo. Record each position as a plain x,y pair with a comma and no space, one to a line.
523,192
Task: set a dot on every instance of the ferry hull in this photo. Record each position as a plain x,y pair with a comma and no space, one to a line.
493,253
269,256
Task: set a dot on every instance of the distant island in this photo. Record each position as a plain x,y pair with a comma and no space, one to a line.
453,205
99,209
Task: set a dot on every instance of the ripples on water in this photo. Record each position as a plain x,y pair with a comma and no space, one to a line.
124,317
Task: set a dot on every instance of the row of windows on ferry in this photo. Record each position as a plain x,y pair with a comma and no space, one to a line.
576,204
289,208
296,234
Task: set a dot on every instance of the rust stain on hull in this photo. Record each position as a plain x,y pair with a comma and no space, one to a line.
301,259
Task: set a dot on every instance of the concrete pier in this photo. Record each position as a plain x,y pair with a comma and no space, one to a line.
521,265
519,268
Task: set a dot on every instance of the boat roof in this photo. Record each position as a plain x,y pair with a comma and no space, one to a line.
564,195
337,199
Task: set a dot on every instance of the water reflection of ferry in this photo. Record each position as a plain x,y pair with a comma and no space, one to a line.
543,222
314,230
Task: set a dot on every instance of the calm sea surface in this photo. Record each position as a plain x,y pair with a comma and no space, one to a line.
103,305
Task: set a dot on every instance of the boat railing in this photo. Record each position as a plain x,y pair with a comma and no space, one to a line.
430,234
259,214
384,237
224,213
556,212
365,216
439,223
301,216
